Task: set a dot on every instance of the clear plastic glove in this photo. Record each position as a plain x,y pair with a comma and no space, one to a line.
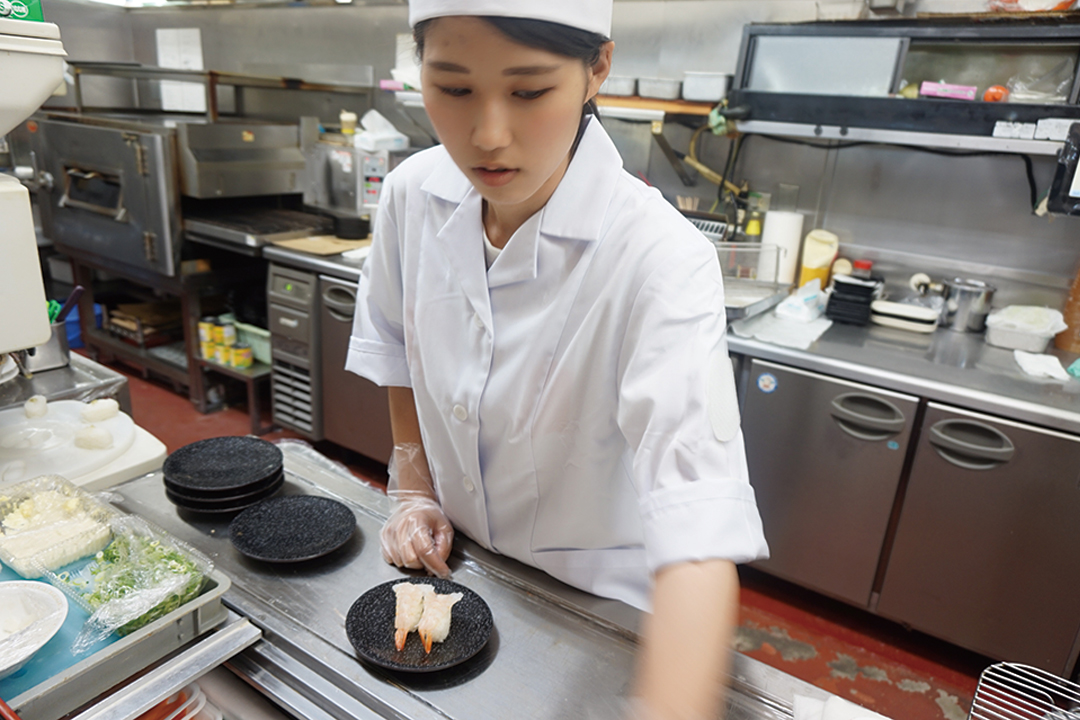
417,534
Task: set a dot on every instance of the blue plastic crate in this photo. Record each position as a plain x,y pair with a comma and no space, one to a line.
71,323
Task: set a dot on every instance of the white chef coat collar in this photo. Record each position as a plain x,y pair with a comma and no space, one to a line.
577,208
579,205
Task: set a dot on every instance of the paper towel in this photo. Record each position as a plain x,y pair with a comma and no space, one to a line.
1040,365
783,228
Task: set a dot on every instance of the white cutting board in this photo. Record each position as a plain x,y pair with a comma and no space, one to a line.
46,446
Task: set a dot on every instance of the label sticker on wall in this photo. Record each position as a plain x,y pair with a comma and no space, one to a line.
893,445
767,382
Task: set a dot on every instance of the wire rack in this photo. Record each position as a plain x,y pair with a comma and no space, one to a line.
715,230
1008,691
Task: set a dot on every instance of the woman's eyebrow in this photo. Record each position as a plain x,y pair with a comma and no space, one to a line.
448,67
531,70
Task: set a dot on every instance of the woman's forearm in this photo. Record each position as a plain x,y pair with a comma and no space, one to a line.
687,639
412,471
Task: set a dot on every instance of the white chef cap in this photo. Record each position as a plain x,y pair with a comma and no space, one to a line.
591,15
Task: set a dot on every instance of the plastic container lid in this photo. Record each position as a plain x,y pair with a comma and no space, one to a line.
26,28
863,264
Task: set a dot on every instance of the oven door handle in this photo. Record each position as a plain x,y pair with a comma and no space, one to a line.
340,302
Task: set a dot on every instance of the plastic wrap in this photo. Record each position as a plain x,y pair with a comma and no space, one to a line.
1028,6
305,451
144,574
48,523
32,613
1043,86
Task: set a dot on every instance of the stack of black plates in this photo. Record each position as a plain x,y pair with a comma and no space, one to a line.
850,299
223,475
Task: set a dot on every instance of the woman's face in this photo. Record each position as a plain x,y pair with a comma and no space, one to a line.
507,114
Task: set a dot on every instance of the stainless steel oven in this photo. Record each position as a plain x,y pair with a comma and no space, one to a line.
122,187
111,191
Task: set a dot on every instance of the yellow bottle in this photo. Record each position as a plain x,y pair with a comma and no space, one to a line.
819,250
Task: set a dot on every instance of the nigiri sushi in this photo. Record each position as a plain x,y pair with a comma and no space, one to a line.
435,623
411,600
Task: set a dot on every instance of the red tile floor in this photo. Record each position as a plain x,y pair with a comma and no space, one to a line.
902,674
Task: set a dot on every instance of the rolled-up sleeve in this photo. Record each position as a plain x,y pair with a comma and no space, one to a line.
377,345
689,463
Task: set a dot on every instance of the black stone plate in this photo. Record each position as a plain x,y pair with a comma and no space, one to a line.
370,627
292,528
256,490
222,467
224,505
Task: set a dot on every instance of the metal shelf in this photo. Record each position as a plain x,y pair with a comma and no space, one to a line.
211,79
900,137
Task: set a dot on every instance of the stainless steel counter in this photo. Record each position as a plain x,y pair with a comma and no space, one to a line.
83,379
947,366
334,265
555,652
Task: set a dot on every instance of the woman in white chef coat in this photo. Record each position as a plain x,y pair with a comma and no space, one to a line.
552,335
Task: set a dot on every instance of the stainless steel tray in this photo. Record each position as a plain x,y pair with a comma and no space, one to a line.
746,298
85,680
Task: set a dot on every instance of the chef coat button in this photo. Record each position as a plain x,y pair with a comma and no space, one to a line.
469,487
461,413
478,321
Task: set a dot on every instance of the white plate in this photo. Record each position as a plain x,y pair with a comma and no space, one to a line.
30,447
49,607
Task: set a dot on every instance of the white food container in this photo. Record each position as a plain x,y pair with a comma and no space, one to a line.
658,88
1023,327
705,86
621,86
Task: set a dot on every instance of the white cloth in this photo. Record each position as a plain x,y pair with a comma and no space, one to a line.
1040,365
835,708
591,15
562,393
771,328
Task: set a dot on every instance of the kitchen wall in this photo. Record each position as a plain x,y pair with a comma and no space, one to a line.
92,31
898,205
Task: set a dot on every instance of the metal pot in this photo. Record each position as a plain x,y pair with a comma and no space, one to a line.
967,303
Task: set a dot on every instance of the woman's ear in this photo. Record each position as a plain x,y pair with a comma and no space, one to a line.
598,73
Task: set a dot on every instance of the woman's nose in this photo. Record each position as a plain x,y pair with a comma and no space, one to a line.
492,128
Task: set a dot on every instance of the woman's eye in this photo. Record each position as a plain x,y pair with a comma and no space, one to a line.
455,91
530,94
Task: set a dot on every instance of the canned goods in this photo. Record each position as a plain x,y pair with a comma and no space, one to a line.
221,354
206,330
219,332
206,350
241,355
228,333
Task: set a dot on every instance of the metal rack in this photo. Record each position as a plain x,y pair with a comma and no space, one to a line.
210,79
1009,691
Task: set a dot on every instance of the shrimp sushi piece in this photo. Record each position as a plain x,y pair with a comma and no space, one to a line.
411,600
435,623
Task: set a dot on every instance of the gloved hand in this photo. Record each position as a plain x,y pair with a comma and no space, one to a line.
417,534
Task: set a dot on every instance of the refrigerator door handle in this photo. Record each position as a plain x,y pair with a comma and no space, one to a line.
887,419
340,302
984,447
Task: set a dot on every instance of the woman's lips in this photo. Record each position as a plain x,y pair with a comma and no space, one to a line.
495,177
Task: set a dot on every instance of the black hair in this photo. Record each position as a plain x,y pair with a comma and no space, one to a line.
551,37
